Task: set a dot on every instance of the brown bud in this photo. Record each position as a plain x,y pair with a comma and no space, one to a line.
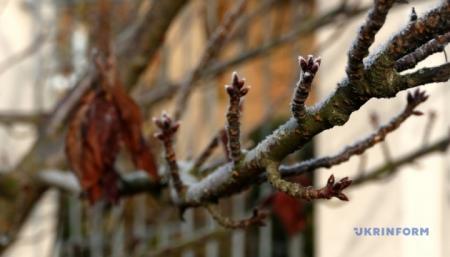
342,197
302,62
330,181
310,60
314,68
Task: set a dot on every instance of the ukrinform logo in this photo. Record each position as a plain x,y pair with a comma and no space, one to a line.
391,231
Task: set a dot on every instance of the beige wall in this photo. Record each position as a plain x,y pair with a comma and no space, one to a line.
416,196
17,93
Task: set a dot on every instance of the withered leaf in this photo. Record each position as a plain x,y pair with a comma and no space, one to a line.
106,120
131,123
92,144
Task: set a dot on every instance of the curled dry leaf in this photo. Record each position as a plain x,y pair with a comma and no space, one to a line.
130,118
92,144
106,120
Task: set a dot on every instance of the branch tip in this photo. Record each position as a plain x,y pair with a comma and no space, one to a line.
413,15
332,189
416,98
167,125
237,88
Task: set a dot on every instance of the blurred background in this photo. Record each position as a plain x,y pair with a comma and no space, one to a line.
45,47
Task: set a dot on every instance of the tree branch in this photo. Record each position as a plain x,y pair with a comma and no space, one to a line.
360,147
417,33
166,90
141,47
380,81
130,184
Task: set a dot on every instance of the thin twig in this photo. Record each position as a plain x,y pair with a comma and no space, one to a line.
332,189
386,170
214,45
384,146
257,219
429,127
216,140
27,52
236,91
362,164
168,129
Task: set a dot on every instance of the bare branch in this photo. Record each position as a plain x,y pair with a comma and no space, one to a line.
383,144
360,147
417,33
141,47
18,194
130,184
375,79
196,241
69,102
206,152
164,91
429,127
27,52
9,118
